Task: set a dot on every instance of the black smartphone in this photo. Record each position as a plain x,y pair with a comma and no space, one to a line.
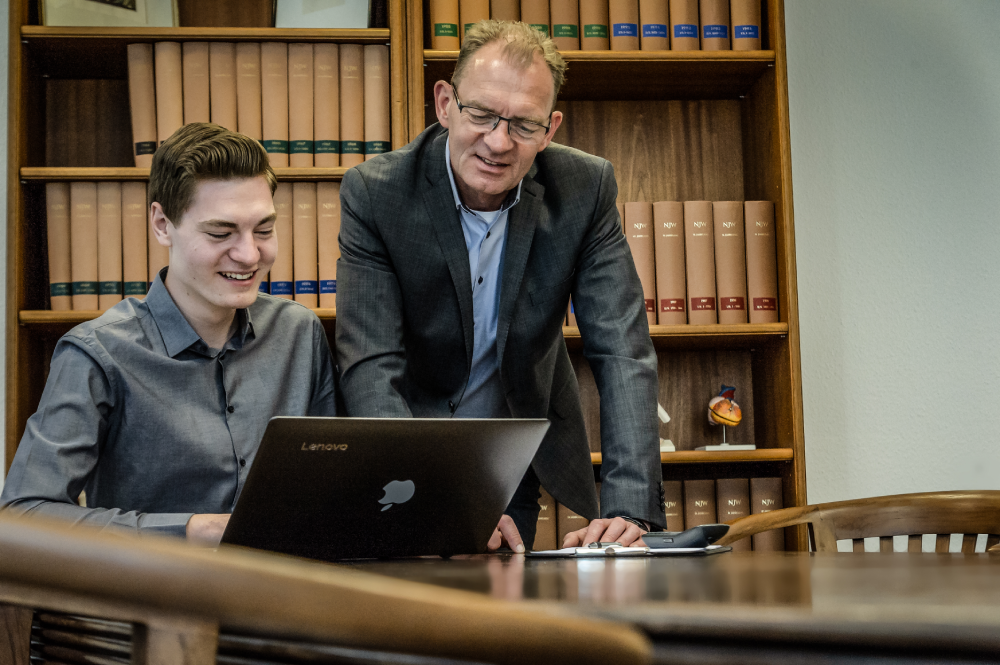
698,536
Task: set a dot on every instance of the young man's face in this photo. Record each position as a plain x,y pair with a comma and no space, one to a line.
222,248
489,163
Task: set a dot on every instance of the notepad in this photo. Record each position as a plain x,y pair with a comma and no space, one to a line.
625,552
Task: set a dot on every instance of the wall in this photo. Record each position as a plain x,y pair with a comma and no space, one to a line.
895,135
4,22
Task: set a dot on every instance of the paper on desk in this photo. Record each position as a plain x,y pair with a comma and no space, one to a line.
582,552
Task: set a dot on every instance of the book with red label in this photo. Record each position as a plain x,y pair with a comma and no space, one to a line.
594,24
684,25
83,249
248,91
762,263
282,270
135,222
472,12
327,233
668,241
624,16
545,528
222,84
745,17
109,244
765,496
58,228
732,502
305,256
673,505
564,17
505,10
536,14
300,105
699,254
699,503
714,25
274,100
142,103
654,25
639,233
730,261
326,114
169,89
445,35
196,85
352,102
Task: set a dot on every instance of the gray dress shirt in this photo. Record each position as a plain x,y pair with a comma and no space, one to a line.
154,424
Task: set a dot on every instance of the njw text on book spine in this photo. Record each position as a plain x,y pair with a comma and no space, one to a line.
699,503
639,233
730,261
699,254
673,505
765,496
545,528
733,503
668,241
762,266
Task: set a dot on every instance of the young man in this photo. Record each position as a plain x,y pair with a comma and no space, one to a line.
471,240
155,409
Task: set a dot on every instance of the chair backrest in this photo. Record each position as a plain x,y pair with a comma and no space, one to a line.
969,513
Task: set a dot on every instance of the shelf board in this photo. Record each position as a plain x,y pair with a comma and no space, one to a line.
91,174
744,335
61,322
702,456
639,75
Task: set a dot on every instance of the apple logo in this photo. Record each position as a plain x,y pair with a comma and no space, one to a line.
397,491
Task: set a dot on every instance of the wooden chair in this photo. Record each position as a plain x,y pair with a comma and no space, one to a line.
178,597
942,513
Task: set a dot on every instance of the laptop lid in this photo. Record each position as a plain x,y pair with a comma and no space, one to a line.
345,488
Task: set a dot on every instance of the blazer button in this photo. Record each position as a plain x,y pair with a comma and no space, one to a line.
451,405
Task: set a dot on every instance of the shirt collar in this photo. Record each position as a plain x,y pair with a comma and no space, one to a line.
513,196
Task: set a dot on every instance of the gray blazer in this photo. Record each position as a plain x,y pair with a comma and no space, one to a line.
404,314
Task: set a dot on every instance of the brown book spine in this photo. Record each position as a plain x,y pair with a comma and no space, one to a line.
159,256
714,25
564,16
571,314
699,252
109,244
352,100
673,504
545,528
730,261
765,496
536,14
745,16
567,522
300,105
274,100
222,83
135,220
733,502
282,271
378,132
625,25
472,12
639,233
57,207
444,25
248,90
196,83
699,503
142,100
304,253
595,25
654,25
684,25
83,249
169,89
668,241
762,263
505,10
326,114
327,233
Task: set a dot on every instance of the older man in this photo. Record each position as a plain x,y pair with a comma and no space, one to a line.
459,253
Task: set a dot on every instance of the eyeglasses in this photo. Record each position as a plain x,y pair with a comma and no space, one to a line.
523,131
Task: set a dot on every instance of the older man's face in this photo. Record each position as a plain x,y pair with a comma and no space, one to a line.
489,163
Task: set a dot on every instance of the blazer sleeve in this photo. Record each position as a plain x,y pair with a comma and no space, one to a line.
371,356
611,314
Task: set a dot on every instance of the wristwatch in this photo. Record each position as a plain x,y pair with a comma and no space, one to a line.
639,523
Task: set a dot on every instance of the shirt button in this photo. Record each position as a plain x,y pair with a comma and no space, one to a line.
480,280
243,462
487,234
230,408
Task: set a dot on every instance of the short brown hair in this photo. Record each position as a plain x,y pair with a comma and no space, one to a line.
521,43
202,151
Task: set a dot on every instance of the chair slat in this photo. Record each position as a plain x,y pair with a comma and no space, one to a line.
885,544
942,542
859,545
915,543
969,543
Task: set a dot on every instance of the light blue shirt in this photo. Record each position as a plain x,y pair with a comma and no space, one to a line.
485,238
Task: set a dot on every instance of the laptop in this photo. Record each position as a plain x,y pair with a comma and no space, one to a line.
349,488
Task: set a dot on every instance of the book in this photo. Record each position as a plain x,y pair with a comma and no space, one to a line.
545,528
624,25
326,111
639,233
668,243
378,132
536,14
730,261
274,101
169,89
222,84
444,25
327,233
248,90
472,12
305,259
83,248
109,244
765,496
158,256
714,16
733,502
57,226
142,103
566,522
300,105
745,17
673,505
352,100
654,24
135,222
282,275
762,264
595,25
684,25
195,80
505,10
699,255
699,503
564,17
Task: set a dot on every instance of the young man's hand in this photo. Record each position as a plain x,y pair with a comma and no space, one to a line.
206,529
606,531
